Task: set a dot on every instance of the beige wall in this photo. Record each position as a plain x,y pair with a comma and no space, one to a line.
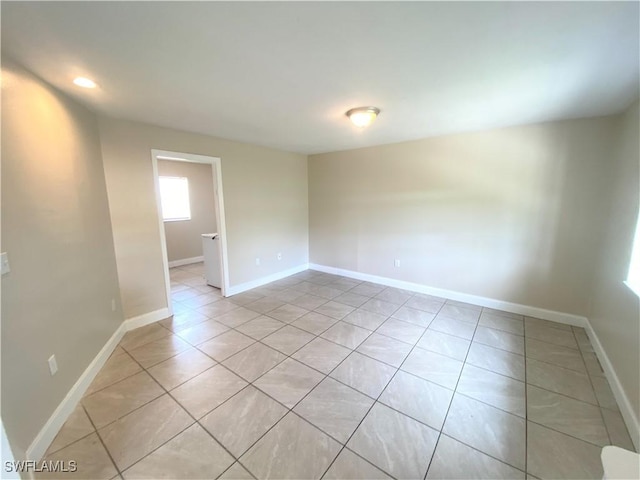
265,196
184,237
56,230
512,214
614,312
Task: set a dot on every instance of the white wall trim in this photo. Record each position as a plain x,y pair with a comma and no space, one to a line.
626,409
185,261
560,317
243,287
146,318
46,435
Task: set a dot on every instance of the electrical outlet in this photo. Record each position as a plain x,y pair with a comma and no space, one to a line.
53,365
396,262
279,256
258,262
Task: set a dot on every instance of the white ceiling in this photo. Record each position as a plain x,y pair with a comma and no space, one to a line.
283,74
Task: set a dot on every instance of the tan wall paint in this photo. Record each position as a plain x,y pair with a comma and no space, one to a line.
615,313
56,229
184,237
512,214
265,196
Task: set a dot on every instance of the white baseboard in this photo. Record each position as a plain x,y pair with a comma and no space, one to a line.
146,318
243,287
46,435
560,317
185,261
626,409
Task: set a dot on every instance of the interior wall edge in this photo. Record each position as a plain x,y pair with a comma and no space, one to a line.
243,287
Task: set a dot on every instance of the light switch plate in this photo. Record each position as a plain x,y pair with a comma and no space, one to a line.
4,263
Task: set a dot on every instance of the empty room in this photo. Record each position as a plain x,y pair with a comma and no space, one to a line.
305,240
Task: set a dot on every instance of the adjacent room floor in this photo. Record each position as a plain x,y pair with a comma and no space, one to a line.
318,375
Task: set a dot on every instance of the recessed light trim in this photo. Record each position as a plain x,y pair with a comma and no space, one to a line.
363,116
84,82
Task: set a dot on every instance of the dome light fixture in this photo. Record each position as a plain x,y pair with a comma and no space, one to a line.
84,82
363,116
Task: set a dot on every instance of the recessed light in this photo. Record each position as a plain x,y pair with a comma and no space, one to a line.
363,116
84,82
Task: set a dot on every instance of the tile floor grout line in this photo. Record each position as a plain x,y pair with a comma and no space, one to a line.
102,443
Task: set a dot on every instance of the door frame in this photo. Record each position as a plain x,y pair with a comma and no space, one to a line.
216,170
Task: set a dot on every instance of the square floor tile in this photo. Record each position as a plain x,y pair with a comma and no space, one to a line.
322,354
352,299
314,323
566,415
202,332
434,367
243,298
403,331
418,398
260,327
397,444
550,335
460,313
236,472
264,305
254,361
308,301
243,419
287,295
327,292
180,321
201,300
287,313
208,390
453,327
237,317
367,289
159,350
617,429
560,380
488,429
349,466
365,319
496,390
500,322
415,316
394,295
288,339
334,408
214,310
289,382
182,367
454,460
76,427
380,307
116,368
190,455
115,401
444,344
143,430
225,345
385,349
140,336
91,457
496,360
425,303
603,393
293,449
365,374
499,339
334,310
550,353
552,454
537,322
346,334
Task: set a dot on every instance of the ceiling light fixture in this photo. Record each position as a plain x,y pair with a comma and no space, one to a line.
84,82
363,116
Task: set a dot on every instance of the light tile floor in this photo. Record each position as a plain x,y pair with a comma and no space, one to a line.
318,375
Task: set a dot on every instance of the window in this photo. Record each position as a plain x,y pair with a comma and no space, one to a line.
633,278
174,198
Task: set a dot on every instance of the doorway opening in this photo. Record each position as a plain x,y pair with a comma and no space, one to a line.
215,179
